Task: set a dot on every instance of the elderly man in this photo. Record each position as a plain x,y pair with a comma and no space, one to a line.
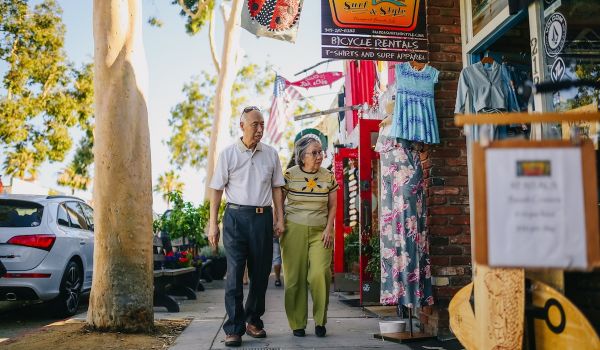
250,174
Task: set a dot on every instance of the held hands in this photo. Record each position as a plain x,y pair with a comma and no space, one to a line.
278,228
213,235
327,238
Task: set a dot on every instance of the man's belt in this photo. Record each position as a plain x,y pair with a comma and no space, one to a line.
258,210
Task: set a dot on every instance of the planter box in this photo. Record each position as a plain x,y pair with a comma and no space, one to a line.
217,267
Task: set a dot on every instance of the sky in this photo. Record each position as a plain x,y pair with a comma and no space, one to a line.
174,57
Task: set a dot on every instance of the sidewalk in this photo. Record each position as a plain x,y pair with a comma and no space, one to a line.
347,327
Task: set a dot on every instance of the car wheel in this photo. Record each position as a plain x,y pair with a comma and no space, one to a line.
67,302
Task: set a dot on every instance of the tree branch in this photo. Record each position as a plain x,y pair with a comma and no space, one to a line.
202,4
225,12
211,40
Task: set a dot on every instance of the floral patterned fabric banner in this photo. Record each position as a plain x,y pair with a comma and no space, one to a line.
277,19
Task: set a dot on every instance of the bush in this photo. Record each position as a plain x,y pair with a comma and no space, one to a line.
351,248
208,252
185,220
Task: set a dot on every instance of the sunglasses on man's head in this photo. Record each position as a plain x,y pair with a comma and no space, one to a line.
250,109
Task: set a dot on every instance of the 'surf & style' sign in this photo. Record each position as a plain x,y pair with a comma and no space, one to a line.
383,30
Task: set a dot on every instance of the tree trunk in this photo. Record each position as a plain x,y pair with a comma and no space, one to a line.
220,132
122,291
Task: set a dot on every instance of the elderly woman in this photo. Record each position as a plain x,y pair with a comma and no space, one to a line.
307,242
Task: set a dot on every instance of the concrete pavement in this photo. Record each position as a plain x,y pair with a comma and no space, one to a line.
347,327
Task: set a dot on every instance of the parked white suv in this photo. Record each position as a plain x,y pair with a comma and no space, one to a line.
47,247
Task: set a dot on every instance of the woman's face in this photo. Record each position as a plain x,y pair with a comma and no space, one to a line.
313,156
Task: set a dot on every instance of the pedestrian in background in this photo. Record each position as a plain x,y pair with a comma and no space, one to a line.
306,244
249,172
277,261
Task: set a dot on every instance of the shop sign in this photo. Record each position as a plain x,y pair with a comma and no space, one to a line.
558,69
534,208
382,30
555,34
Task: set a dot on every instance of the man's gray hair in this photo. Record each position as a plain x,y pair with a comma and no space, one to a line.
302,145
246,110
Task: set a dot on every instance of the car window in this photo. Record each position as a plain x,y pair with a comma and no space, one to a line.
76,216
89,214
62,217
16,213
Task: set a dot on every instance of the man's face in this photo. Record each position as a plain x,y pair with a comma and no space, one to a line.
253,126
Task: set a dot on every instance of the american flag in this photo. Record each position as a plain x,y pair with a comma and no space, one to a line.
285,98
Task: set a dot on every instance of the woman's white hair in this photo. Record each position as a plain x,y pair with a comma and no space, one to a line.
302,145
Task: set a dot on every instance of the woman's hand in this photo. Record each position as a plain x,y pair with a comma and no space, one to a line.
278,228
327,237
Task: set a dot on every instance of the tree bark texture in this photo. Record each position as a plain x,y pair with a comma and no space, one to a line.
219,136
122,291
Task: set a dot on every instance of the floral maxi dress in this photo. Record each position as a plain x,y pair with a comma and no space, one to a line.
405,264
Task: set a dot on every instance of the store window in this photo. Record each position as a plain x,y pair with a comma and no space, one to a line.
571,34
483,11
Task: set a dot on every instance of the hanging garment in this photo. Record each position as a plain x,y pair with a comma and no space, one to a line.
405,264
490,90
414,113
485,85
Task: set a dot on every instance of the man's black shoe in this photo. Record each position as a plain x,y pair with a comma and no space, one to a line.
320,331
299,332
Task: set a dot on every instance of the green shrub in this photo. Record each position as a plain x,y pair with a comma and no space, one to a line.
185,220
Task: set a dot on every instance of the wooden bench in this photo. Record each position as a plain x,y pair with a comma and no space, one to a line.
169,282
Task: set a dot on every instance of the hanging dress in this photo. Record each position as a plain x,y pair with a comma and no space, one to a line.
404,248
414,116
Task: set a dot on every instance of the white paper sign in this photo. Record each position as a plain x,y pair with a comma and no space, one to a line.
536,215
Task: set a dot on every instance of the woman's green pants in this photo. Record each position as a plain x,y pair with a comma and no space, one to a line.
306,265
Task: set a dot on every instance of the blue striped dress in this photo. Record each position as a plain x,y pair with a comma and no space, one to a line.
414,112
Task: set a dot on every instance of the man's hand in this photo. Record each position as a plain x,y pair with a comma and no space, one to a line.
279,228
327,237
213,235
213,229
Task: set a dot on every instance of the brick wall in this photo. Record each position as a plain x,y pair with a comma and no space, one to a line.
445,167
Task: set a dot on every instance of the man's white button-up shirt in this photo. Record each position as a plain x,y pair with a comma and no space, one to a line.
248,176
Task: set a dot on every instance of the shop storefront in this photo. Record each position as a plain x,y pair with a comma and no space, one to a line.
534,42
527,42
445,225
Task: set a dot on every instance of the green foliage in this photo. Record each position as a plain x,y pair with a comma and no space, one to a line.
208,251
374,263
194,24
586,96
351,248
167,183
191,120
155,22
43,96
185,220
77,175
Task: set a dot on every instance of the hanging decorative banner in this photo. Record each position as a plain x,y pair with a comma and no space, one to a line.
277,19
318,79
381,30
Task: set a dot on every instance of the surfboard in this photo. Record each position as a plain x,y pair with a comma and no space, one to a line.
563,325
